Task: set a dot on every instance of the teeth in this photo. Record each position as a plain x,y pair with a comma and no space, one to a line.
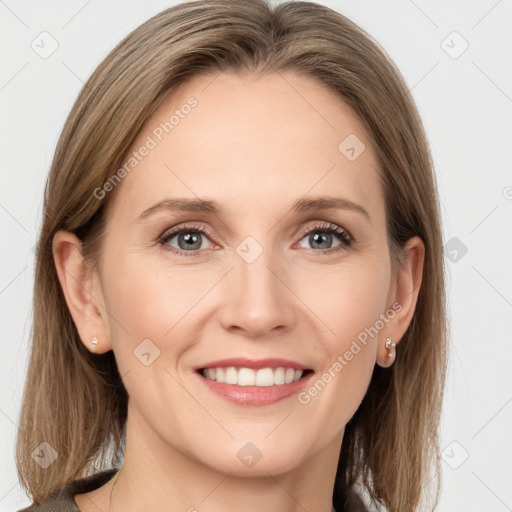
249,377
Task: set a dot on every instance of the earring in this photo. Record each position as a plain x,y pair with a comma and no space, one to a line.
390,356
94,341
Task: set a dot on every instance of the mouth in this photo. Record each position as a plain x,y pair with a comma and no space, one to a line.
254,383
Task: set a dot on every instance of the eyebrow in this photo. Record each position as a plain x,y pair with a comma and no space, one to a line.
180,204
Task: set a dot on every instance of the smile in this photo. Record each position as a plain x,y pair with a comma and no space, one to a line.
263,377
249,382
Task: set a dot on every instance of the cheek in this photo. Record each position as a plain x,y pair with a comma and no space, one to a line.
347,299
153,324
349,302
148,301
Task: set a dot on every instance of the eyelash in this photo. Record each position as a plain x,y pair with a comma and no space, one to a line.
325,227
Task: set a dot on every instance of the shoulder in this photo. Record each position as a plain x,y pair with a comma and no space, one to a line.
62,500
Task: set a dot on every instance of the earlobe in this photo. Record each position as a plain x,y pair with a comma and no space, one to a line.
405,296
81,291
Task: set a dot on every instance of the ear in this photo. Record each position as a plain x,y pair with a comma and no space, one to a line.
403,295
82,291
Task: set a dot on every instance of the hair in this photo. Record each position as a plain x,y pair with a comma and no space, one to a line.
75,400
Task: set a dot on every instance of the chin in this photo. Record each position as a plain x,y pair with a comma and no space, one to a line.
256,458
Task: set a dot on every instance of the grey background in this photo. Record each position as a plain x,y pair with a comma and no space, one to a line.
465,99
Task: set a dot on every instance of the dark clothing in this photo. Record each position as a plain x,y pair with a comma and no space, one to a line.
62,499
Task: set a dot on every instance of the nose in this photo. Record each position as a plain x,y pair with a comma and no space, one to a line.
258,297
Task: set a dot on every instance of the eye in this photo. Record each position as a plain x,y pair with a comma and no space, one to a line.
189,240
322,235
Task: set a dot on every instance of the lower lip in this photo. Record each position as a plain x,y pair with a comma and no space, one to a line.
255,395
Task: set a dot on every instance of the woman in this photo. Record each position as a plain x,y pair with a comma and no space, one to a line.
239,295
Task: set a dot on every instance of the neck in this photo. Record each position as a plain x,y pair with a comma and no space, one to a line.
157,476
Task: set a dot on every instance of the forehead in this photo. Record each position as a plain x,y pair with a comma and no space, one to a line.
245,138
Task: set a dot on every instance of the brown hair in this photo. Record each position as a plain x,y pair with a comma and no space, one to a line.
76,401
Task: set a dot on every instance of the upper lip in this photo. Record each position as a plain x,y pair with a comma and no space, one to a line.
244,362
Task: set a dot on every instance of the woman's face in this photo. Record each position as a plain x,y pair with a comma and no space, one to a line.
276,274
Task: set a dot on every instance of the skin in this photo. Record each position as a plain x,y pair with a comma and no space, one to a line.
254,144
